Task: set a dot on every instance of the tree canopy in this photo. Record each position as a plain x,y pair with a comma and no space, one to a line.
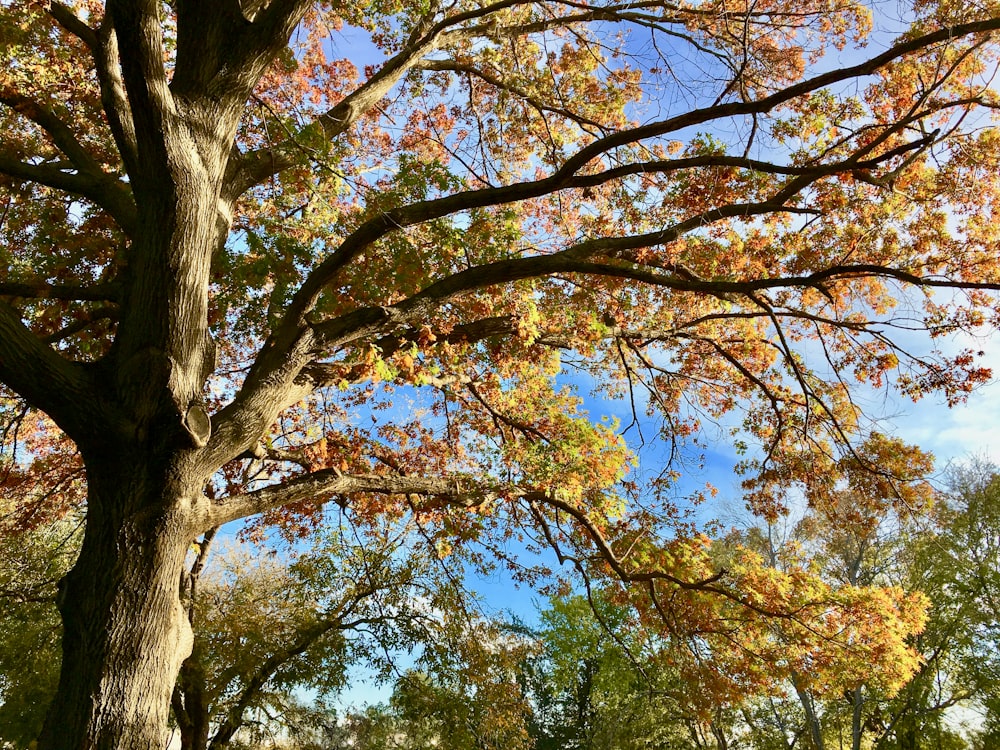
259,257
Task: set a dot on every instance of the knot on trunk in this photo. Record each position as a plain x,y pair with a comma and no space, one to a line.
198,425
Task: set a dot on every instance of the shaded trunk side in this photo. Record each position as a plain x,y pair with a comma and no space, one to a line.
126,632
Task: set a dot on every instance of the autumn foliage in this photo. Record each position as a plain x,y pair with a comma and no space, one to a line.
259,257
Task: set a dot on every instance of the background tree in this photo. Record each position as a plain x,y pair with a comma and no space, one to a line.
31,564
852,530
226,248
462,692
938,546
270,631
594,684
956,563
275,636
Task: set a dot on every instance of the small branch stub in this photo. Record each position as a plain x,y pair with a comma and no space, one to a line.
198,425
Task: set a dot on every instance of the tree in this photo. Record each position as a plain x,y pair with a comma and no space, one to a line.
956,564
941,544
225,248
851,528
596,685
268,631
463,692
31,564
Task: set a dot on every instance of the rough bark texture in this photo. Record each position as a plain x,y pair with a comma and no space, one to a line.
137,416
125,629
190,706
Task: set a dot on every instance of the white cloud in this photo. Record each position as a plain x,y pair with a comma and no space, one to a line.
961,432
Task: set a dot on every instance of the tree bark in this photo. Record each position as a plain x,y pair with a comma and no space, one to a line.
126,631
857,704
812,718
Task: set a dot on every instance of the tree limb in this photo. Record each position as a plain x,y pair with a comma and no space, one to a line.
114,97
102,189
330,484
46,380
44,290
306,639
73,23
139,34
258,166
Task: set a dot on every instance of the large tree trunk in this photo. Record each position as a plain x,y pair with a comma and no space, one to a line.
126,631
136,414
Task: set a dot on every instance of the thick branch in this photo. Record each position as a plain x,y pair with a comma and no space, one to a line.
100,188
73,24
27,290
334,620
329,373
234,717
223,48
139,32
114,98
274,379
295,342
566,178
258,166
766,104
48,382
575,259
64,138
328,484
325,485
261,41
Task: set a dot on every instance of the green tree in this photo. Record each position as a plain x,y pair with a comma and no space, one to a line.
274,636
957,565
463,693
269,631
229,238
599,683
31,564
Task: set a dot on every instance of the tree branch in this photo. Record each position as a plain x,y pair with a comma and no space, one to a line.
58,131
46,380
138,32
88,319
266,35
329,484
101,188
73,23
306,639
492,80
44,290
273,380
114,97
566,178
258,166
